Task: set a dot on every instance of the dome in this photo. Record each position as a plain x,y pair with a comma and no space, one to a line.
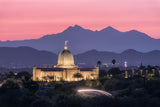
65,58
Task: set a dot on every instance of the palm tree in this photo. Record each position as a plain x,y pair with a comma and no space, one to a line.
113,61
99,63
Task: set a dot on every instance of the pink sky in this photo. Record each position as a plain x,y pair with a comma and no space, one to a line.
26,19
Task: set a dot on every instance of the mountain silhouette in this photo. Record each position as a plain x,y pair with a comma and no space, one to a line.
25,56
133,57
82,40
109,29
29,57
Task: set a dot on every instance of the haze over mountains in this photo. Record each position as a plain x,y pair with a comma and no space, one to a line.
29,57
133,57
82,40
25,57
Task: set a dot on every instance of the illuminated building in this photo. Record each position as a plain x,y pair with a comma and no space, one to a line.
65,70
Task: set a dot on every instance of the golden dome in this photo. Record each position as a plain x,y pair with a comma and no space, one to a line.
65,58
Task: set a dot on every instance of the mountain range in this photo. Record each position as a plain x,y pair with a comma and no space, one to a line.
29,57
25,57
82,40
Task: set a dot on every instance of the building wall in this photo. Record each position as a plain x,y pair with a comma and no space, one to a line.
66,74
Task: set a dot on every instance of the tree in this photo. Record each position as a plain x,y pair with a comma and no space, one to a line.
99,63
42,102
11,97
31,86
10,84
141,67
102,73
149,67
62,101
11,75
24,75
78,75
51,78
114,71
113,61
45,78
116,84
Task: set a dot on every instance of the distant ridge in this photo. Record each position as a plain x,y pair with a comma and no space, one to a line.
82,40
25,57
29,57
133,57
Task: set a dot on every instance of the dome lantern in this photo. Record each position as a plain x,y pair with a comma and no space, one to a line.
65,47
65,58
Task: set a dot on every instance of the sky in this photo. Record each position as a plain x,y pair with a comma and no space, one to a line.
31,19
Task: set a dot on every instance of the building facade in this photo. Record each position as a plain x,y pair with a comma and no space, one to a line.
65,70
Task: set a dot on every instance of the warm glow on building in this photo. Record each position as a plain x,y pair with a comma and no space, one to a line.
65,70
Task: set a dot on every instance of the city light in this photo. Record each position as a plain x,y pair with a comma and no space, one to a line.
94,90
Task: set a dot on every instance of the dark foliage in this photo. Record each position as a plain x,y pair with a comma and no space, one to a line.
113,61
131,92
114,71
10,85
24,75
78,75
31,86
102,73
99,63
115,84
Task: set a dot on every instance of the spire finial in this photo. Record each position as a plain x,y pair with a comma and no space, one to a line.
65,47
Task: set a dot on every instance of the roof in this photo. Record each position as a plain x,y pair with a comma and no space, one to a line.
62,69
51,69
87,68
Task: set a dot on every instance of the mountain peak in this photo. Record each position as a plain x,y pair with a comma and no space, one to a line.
74,28
77,26
109,29
137,33
130,51
134,31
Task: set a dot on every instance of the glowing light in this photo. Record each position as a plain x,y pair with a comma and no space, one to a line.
125,64
68,79
20,22
94,90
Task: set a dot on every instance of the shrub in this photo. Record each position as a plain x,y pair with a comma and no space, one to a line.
10,84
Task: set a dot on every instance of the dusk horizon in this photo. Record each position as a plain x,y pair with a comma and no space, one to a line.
79,53
82,28
27,19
